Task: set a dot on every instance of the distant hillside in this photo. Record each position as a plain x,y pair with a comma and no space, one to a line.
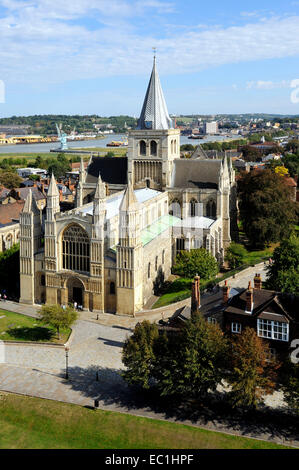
45,124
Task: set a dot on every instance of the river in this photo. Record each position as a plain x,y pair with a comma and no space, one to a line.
94,143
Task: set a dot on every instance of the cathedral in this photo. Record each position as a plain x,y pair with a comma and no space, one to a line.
133,215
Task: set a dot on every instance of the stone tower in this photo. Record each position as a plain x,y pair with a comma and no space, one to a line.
129,262
30,241
51,257
79,189
154,145
97,245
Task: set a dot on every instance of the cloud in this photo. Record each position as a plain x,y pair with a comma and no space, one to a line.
50,41
268,85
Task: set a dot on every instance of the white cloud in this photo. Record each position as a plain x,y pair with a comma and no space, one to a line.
50,40
268,84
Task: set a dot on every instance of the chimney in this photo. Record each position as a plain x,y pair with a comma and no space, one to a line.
195,299
257,281
249,299
225,290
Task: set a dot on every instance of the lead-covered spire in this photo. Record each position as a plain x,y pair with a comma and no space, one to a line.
154,114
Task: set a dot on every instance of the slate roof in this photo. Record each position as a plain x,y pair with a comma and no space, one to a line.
189,173
112,170
270,302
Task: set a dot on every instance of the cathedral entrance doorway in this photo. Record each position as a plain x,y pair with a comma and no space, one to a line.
75,291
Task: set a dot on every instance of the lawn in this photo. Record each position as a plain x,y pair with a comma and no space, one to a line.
118,151
33,423
17,327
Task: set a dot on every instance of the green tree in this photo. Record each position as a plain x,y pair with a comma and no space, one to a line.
266,209
138,355
283,273
10,179
235,255
251,154
192,362
252,375
58,317
196,262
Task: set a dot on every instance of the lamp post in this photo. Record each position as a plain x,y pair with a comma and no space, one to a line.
66,362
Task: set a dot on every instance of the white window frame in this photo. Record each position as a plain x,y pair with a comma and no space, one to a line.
212,320
236,327
271,329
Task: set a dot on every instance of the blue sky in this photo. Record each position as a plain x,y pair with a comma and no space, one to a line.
95,56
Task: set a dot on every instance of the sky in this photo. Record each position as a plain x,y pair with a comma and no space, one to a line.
95,56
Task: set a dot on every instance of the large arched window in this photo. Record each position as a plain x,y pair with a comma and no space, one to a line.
75,249
142,147
153,147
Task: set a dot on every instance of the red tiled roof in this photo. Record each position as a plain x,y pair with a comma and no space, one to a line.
10,211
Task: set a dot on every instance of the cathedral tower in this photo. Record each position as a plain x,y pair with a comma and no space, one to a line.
129,262
30,240
154,145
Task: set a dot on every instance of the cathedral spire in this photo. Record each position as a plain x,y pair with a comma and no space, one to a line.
30,204
100,189
154,114
52,190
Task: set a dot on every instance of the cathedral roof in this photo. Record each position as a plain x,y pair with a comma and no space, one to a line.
154,114
196,173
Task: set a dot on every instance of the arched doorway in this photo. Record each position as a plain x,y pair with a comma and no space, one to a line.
75,291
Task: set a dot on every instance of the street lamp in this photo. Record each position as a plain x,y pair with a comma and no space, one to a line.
66,362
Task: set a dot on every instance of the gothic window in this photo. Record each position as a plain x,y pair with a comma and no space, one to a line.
75,249
171,146
142,147
156,263
42,280
193,204
149,270
163,256
153,147
180,244
175,147
211,209
175,208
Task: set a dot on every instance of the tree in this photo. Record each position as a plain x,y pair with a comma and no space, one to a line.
266,209
58,317
10,179
252,375
138,355
283,273
235,255
251,154
196,262
292,146
191,363
281,170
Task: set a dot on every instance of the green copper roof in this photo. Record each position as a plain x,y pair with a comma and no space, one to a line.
154,230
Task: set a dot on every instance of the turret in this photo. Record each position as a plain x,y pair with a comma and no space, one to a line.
129,255
30,241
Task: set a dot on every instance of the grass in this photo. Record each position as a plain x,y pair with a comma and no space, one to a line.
118,151
33,423
17,327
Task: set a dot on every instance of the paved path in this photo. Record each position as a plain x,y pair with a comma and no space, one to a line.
96,345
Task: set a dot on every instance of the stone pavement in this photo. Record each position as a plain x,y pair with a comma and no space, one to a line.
96,345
